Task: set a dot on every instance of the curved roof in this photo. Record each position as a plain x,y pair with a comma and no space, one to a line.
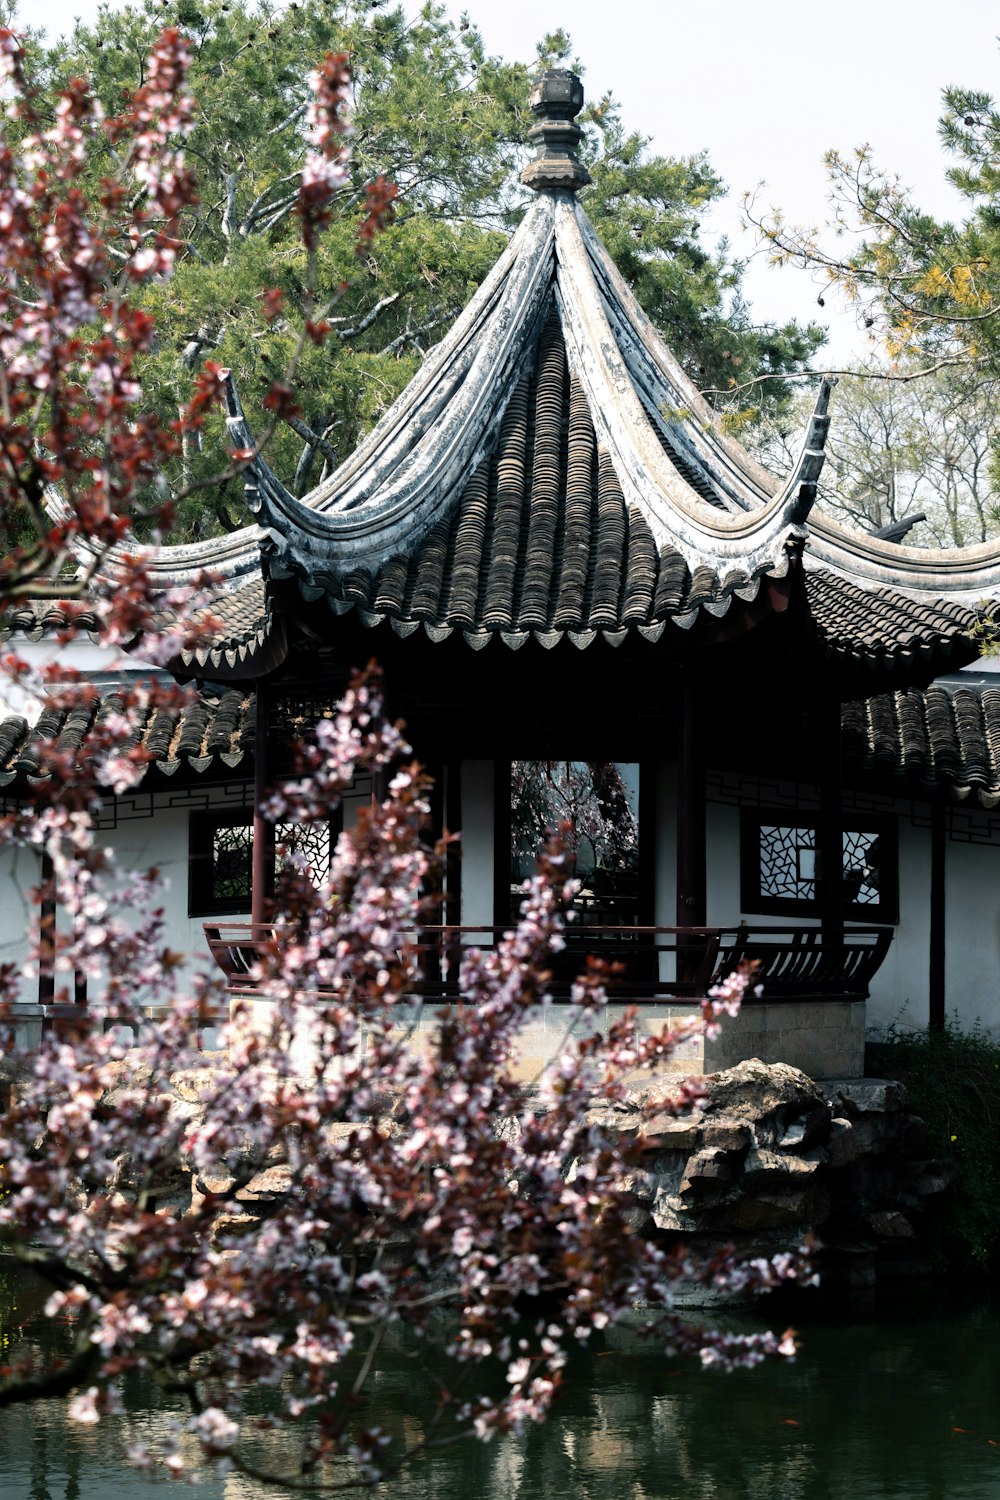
944,738
411,472
551,471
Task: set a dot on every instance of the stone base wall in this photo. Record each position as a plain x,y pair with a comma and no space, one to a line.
823,1038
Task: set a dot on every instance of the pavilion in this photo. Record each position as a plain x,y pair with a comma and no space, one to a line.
558,556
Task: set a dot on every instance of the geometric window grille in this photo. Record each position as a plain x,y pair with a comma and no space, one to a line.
312,841
781,867
232,850
787,862
861,867
221,859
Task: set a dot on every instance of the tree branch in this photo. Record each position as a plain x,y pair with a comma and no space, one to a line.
369,318
315,440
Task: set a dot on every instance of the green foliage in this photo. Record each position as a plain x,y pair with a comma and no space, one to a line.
952,1079
928,289
446,122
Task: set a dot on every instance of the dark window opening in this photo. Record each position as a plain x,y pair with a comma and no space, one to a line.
599,801
221,859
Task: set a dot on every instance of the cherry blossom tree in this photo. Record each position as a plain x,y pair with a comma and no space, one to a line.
510,1197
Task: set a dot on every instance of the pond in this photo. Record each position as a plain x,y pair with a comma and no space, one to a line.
900,1399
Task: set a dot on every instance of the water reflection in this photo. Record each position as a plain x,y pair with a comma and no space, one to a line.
898,1405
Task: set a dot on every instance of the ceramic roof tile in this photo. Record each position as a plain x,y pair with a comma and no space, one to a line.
881,628
235,616
542,539
200,732
943,738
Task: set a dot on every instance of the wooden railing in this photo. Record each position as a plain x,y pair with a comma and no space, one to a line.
657,963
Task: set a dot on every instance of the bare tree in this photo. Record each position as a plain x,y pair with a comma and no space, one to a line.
899,448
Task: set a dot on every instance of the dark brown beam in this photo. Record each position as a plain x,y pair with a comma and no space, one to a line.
939,846
47,933
262,866
692,901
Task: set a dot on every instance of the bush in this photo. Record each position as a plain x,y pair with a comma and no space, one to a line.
952,1079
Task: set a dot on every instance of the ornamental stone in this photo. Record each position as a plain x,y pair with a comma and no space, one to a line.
556,100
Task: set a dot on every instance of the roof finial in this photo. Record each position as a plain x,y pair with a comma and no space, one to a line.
556,100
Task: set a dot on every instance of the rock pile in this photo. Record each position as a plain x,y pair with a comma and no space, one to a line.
768,1156
771,1155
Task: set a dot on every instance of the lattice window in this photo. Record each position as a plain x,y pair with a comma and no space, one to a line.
862,858
787,862
221,856
232,853
221,859
781,863
313,841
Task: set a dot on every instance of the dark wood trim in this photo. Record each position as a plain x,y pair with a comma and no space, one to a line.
203,825
501,842
795,963
46,932
692,892
936,1002
830,828
262,862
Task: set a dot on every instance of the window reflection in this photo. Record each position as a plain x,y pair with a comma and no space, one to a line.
599,801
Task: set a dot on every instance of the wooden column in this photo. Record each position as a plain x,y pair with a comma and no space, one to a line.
79,977
46,934
262,867
691,887
831,826
936,956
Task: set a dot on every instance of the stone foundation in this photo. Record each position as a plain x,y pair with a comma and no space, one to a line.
823,1038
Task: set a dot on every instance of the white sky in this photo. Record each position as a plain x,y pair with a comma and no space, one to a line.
766,88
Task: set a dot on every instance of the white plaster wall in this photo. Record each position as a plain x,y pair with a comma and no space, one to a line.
972,941
162,840
722,866
901,988
665,860
19,874
80,654
158,836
